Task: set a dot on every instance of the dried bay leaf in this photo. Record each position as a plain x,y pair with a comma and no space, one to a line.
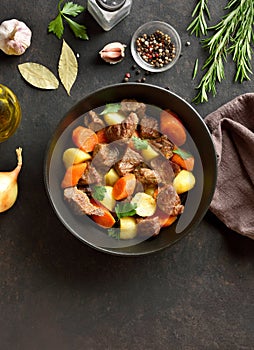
38,75
67,67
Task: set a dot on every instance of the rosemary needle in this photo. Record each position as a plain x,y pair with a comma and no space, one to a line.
195,69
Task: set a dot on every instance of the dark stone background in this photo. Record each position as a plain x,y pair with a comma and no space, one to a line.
57,293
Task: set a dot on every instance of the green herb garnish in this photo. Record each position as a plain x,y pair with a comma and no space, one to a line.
139,144
195,69
114,233
183,154
233,34
125,209
69,9
111,108
99,192
200,12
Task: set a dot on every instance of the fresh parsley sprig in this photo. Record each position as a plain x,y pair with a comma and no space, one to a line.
111,108
233,34
56,26
99,192
200,13
139,144
114,233
183,154
125,209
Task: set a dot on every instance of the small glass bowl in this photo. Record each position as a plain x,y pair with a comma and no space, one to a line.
150,28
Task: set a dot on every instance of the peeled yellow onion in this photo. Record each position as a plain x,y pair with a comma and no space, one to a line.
9,184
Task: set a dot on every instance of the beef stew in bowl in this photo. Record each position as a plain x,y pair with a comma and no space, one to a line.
125,174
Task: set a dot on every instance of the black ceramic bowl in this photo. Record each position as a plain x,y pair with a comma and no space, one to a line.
199,143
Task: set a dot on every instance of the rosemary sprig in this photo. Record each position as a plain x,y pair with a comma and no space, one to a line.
241,43
234,29
200,12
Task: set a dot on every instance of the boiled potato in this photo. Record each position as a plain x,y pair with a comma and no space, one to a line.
149,153
108,201
128,228
111,177
74,156
150,191
112,118
184,181
146,204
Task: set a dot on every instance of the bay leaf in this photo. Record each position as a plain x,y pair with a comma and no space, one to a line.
67,67
38,75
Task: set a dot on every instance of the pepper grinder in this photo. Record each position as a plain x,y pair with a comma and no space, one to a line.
108,13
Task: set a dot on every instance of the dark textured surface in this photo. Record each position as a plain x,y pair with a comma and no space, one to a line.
57,293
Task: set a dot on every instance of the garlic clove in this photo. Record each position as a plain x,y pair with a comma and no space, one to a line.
113,52
15,37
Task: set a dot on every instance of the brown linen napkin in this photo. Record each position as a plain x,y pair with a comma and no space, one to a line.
232,129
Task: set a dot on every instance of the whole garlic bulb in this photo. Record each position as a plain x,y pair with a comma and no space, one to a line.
113,52
15,37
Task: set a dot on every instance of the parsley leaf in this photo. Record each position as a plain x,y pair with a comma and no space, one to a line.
125,209
56,26
183,154
99,192
78,29
114,233
111,108
72,9
139,143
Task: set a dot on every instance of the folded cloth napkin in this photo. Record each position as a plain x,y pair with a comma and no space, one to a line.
232,129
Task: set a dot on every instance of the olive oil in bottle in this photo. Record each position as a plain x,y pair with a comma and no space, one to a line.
10,113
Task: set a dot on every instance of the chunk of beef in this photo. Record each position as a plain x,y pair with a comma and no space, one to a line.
148,128
148,227
164,169
80,202
106,155
93,121
125,130
128,106
163,144
147,177
169,201
90,176
128,163
176,168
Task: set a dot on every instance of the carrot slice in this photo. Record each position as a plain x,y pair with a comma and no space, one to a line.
101,135
124,186
73,174
84,138
106,220
169,221
187,163
171,125
155,194
164,219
